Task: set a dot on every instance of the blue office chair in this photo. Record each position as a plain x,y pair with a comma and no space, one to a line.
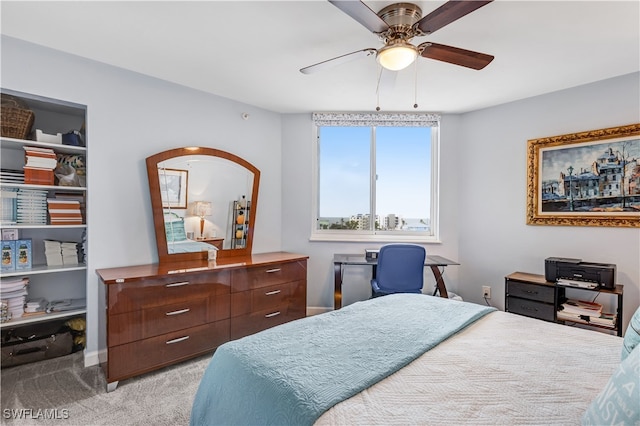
400,270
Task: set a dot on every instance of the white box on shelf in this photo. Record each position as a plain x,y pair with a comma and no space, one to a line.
44,137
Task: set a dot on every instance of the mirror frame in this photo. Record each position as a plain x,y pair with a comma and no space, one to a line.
157,209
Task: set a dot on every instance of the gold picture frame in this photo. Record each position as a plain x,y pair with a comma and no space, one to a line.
589,178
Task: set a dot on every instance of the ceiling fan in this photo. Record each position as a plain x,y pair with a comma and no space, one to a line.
397,24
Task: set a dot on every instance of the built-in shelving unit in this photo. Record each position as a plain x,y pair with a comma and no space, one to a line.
50,282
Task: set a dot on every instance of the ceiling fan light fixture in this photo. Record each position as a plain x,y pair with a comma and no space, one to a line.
396,56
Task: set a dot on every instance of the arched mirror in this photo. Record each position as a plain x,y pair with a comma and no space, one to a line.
202,199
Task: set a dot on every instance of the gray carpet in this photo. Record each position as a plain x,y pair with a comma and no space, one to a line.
63,388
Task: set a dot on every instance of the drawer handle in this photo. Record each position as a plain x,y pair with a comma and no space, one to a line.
526,308
530,291
179,284
275,314
271,271
178,340
181,311
271,293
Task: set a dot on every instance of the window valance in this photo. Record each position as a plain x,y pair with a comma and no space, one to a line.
395,119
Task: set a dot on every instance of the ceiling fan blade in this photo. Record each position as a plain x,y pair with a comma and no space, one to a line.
455,55
361,13
447,13
337,61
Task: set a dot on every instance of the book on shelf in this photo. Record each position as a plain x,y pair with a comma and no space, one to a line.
23,254
13,292
66,305
8,248
53,252
581,307
604,319
39,165
64,211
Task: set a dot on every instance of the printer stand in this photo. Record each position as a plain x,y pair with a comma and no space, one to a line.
533,296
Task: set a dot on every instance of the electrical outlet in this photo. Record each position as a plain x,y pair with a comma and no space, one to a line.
486,292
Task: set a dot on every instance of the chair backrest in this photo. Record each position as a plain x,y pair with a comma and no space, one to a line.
401,268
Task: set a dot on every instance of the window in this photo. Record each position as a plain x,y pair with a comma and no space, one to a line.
376,177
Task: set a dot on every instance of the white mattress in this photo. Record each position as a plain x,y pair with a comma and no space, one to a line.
504,369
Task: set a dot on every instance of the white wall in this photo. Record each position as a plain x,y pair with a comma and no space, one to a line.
482,198
130,117
494,239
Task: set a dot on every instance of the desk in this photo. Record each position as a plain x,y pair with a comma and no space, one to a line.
340,260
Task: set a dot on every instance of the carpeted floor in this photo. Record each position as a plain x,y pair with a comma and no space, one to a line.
62,391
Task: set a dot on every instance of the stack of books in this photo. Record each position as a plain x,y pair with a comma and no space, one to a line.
585,311
31,207
39,165
13,292
8,202
66,305
69,253
35,306
64,212
11,176
73,196
53,252
60,253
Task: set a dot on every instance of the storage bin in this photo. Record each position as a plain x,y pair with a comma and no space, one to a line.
17,118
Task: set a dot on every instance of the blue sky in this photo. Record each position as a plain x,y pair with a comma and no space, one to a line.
403,169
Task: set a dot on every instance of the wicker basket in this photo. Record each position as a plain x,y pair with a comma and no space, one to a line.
17,119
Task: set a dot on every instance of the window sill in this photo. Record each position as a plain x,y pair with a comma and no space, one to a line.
395,238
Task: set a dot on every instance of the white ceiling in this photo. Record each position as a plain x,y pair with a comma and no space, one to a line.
251,51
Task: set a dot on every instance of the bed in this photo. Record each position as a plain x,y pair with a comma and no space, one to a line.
177,241
416,359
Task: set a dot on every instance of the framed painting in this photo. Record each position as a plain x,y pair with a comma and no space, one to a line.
590,178
173,188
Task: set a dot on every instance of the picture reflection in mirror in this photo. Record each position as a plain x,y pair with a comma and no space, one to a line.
202,197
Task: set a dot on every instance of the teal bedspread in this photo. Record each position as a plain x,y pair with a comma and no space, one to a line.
293,373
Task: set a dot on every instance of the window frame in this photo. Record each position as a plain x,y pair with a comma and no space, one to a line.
377,120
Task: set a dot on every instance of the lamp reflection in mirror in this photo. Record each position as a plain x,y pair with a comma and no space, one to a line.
202,209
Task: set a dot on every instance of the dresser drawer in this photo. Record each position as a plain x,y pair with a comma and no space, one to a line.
261,299
252,323
160,291
257,310
265,276
531,308
530,291
137,325
148,354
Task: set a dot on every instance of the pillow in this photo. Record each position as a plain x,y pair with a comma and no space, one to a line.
175,231
632,335
618,401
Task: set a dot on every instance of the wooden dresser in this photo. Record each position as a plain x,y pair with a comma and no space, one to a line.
161,314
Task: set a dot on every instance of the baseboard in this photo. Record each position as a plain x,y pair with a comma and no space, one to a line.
93,357
315,310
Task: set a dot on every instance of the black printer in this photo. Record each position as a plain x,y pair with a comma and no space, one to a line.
576,273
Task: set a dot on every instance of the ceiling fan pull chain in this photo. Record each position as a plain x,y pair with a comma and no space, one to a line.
415,85
378,89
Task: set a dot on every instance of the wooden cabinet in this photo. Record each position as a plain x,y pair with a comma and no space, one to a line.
161,314
533,296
